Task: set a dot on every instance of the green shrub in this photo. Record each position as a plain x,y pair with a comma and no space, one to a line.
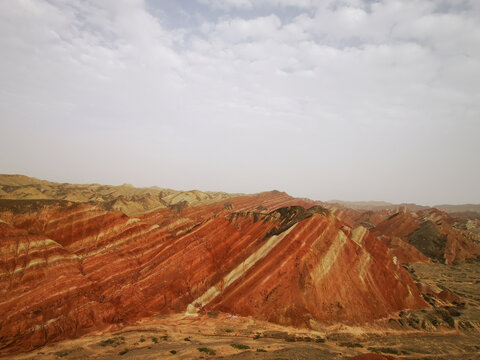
207,351
240,346
142,339
261,350
351,345
107,342
63,353
155,340
187,339
173,352
384,350
112,342
212,314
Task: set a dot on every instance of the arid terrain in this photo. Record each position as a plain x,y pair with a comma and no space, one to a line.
98,271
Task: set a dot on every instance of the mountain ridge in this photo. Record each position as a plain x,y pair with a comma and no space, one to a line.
69,268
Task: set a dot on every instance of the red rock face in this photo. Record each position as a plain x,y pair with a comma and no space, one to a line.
432,233
72,268
403,251
365,218
321,271
399,225
45,296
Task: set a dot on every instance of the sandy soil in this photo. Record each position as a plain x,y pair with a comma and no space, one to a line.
180,337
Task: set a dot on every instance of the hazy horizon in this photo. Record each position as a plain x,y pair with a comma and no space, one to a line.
60,181
355,100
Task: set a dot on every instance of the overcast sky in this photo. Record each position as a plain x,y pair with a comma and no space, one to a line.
326,99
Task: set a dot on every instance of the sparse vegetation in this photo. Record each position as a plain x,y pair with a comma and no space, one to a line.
207,350
62,353
155,340
228,330
123,352
351,345
173,352
319,340
212,314
107,342
384,350
142,339
240,346
261,350
163,337
290,338
112,342
187,339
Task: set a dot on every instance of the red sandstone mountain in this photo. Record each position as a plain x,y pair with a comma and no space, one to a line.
68,268
433,233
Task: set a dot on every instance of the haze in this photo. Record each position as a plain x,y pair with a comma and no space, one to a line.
349,100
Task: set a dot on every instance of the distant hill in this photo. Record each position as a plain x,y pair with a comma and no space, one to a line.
468,211
459,208
136,201
377,205
126,198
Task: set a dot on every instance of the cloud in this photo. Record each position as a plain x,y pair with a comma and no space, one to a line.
251,4
337,99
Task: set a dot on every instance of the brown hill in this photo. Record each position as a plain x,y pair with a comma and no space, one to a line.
377,205
126,198
474,208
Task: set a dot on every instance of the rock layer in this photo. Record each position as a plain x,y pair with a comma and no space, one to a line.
434,233
69,268
72,263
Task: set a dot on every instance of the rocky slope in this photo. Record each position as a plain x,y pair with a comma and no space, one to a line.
68,268
433,233
298,283
73,260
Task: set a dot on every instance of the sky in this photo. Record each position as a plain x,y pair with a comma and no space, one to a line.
327,99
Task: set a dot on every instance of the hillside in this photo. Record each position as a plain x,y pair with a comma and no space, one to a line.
72,265
126,198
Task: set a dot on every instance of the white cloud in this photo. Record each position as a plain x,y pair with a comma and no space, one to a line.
250,4
343,99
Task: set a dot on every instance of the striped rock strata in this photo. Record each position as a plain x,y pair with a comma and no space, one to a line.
433,233
70,268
